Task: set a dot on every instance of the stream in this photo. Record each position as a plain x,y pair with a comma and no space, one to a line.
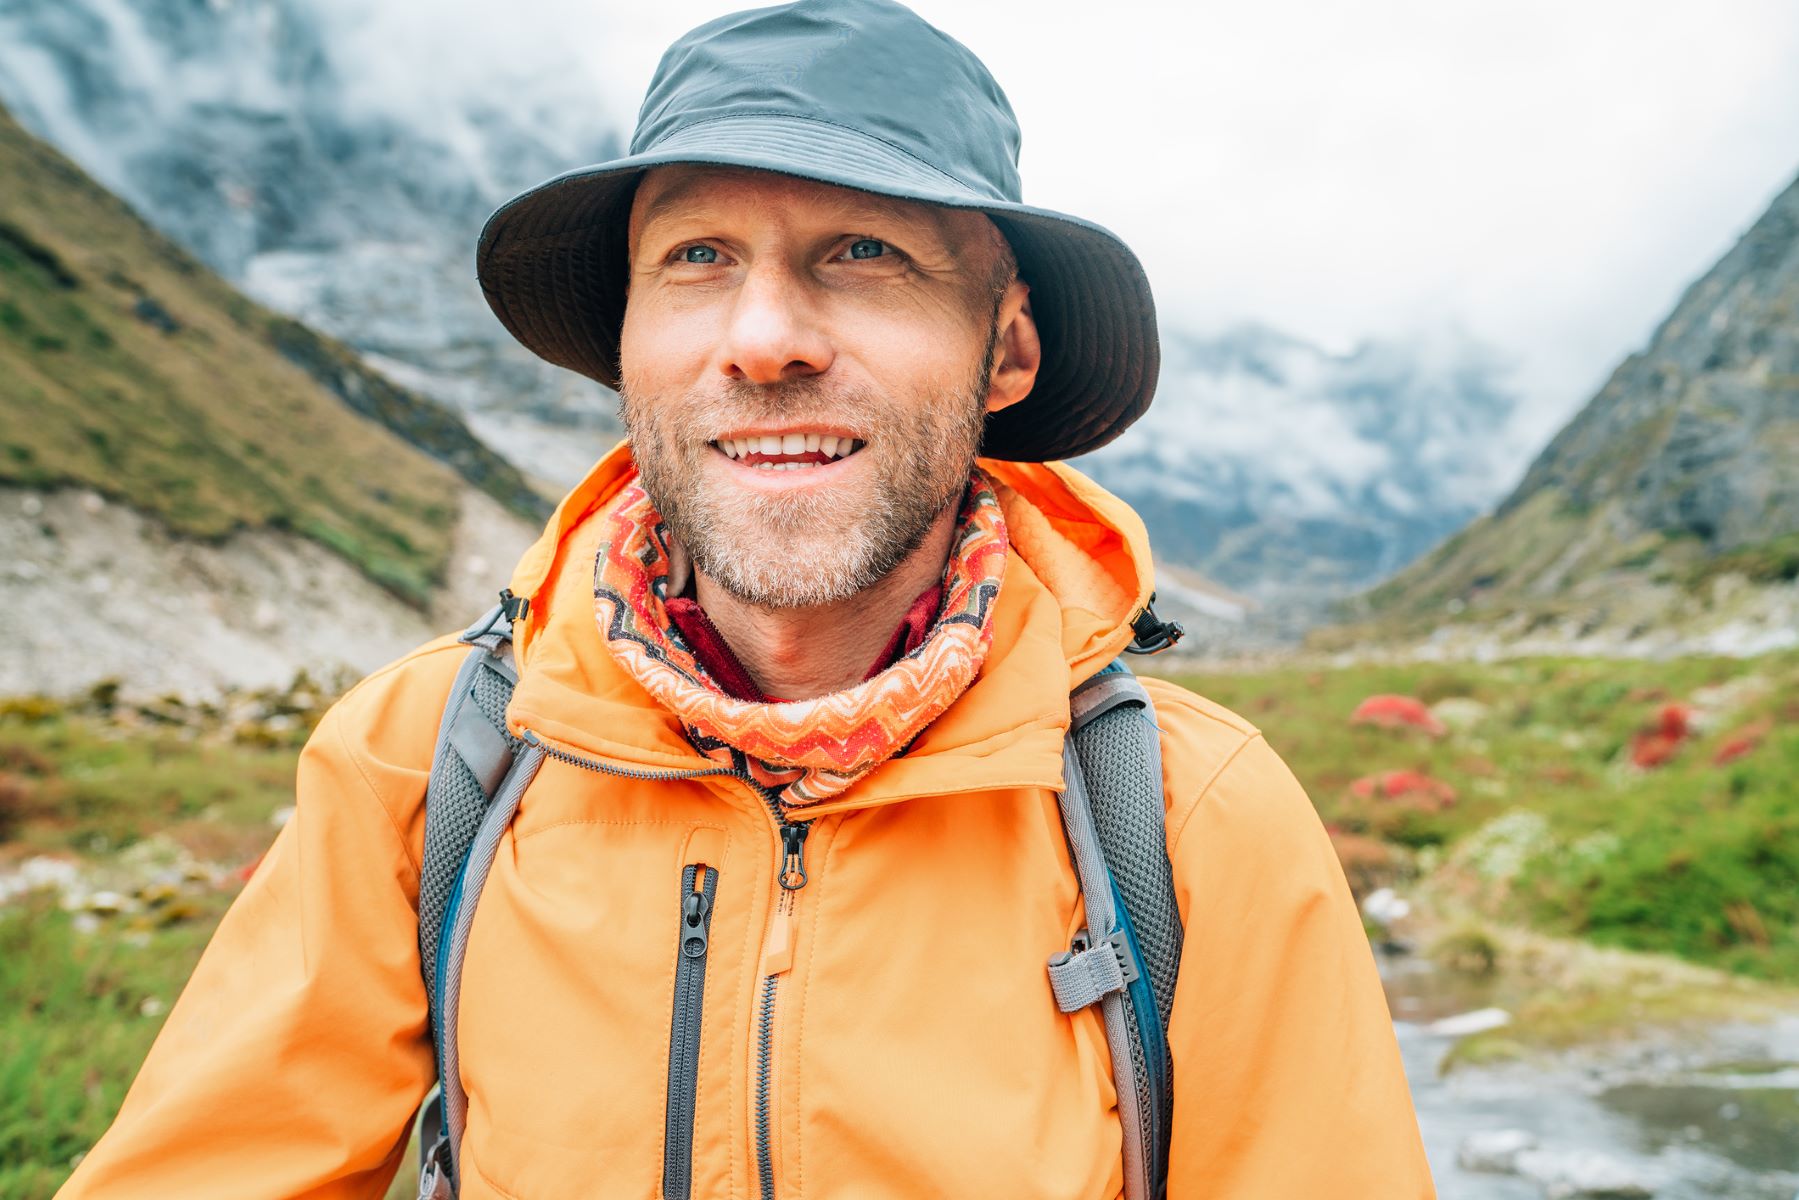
1681,1117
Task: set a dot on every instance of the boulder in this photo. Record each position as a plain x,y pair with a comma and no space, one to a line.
1584,1175
1494,1151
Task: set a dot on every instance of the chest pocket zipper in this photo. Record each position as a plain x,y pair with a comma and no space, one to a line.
699,885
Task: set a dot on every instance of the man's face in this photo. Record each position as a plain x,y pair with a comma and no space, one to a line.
804,373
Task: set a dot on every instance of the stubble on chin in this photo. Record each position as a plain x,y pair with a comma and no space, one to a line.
812,546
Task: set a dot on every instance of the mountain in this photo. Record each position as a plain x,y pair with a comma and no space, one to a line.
341,177
173,454
333,175
1666,514
1285,471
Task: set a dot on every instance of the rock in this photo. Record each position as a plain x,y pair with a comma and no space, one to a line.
1459,712
175,912
158,893
266,616
105,904
1384,906
1494,1151
1583,1175
153,1006
1469,1023
38,873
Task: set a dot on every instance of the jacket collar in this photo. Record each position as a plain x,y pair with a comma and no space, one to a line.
1078,571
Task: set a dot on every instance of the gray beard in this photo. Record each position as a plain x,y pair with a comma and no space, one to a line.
808,549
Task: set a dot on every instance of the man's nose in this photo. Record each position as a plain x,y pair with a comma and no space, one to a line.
776,331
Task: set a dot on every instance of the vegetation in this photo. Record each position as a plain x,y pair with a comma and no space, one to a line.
1552,821
1526,808
128,368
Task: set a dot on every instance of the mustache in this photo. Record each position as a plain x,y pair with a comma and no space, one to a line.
736,402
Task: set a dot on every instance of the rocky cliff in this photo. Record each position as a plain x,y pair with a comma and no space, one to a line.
1666,513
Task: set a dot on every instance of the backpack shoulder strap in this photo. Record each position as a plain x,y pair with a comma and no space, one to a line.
478,772
1126,960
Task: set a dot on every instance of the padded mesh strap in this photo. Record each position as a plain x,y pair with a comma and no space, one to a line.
1119,750
473,757
1134,1118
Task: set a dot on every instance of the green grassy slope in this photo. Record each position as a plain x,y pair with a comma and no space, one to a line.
129,368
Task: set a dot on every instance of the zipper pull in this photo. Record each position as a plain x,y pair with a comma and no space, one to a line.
777,951
695,930
793,855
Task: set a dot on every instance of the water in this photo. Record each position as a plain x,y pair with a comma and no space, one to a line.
1708,1116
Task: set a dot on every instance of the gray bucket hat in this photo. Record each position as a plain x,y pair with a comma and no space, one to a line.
862,94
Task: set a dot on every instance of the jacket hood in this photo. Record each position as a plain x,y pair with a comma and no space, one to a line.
1078,571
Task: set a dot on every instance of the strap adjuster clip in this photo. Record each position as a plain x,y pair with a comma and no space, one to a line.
1121,949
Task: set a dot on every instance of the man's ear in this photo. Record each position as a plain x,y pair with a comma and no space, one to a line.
1017,353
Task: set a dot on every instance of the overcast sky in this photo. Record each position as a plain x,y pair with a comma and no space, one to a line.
1544,175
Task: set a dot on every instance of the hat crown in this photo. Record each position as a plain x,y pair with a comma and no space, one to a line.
873,66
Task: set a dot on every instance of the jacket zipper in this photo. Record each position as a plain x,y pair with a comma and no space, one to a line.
777,950
777,957
684,1029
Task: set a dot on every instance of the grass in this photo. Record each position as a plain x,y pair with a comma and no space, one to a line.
1550,828
1692,858
77,1015
128,368
102,783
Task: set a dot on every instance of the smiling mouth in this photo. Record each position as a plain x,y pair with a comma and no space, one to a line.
787,452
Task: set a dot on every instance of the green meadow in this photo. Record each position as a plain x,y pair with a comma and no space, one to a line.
1535,819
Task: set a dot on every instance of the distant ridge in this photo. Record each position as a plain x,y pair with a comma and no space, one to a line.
1670,501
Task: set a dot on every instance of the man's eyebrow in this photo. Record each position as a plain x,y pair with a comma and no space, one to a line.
852,210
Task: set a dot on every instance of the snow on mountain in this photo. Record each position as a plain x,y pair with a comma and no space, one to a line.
336,161
1277,467
334,166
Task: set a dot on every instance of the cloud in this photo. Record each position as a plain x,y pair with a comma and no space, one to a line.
1548,176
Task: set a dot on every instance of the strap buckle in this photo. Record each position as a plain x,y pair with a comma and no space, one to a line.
1121,949
1087,972
515,607
1150,634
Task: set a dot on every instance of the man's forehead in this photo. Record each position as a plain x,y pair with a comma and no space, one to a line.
681,189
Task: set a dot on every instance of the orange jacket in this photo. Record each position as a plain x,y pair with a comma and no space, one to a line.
915,1048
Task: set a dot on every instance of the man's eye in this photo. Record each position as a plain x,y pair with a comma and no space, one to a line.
699,254
867,248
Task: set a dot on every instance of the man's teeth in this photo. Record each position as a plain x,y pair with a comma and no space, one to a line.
788,444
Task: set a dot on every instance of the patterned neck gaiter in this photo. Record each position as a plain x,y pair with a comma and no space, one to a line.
804,751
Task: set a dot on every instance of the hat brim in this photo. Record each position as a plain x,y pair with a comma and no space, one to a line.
552,262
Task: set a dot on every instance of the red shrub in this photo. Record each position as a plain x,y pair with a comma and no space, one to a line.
1397,712
1743,741
1654,746
1432,795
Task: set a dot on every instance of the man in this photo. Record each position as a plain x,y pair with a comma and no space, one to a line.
801,669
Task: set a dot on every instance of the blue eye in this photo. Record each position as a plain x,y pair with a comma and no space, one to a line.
699,254
867,248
